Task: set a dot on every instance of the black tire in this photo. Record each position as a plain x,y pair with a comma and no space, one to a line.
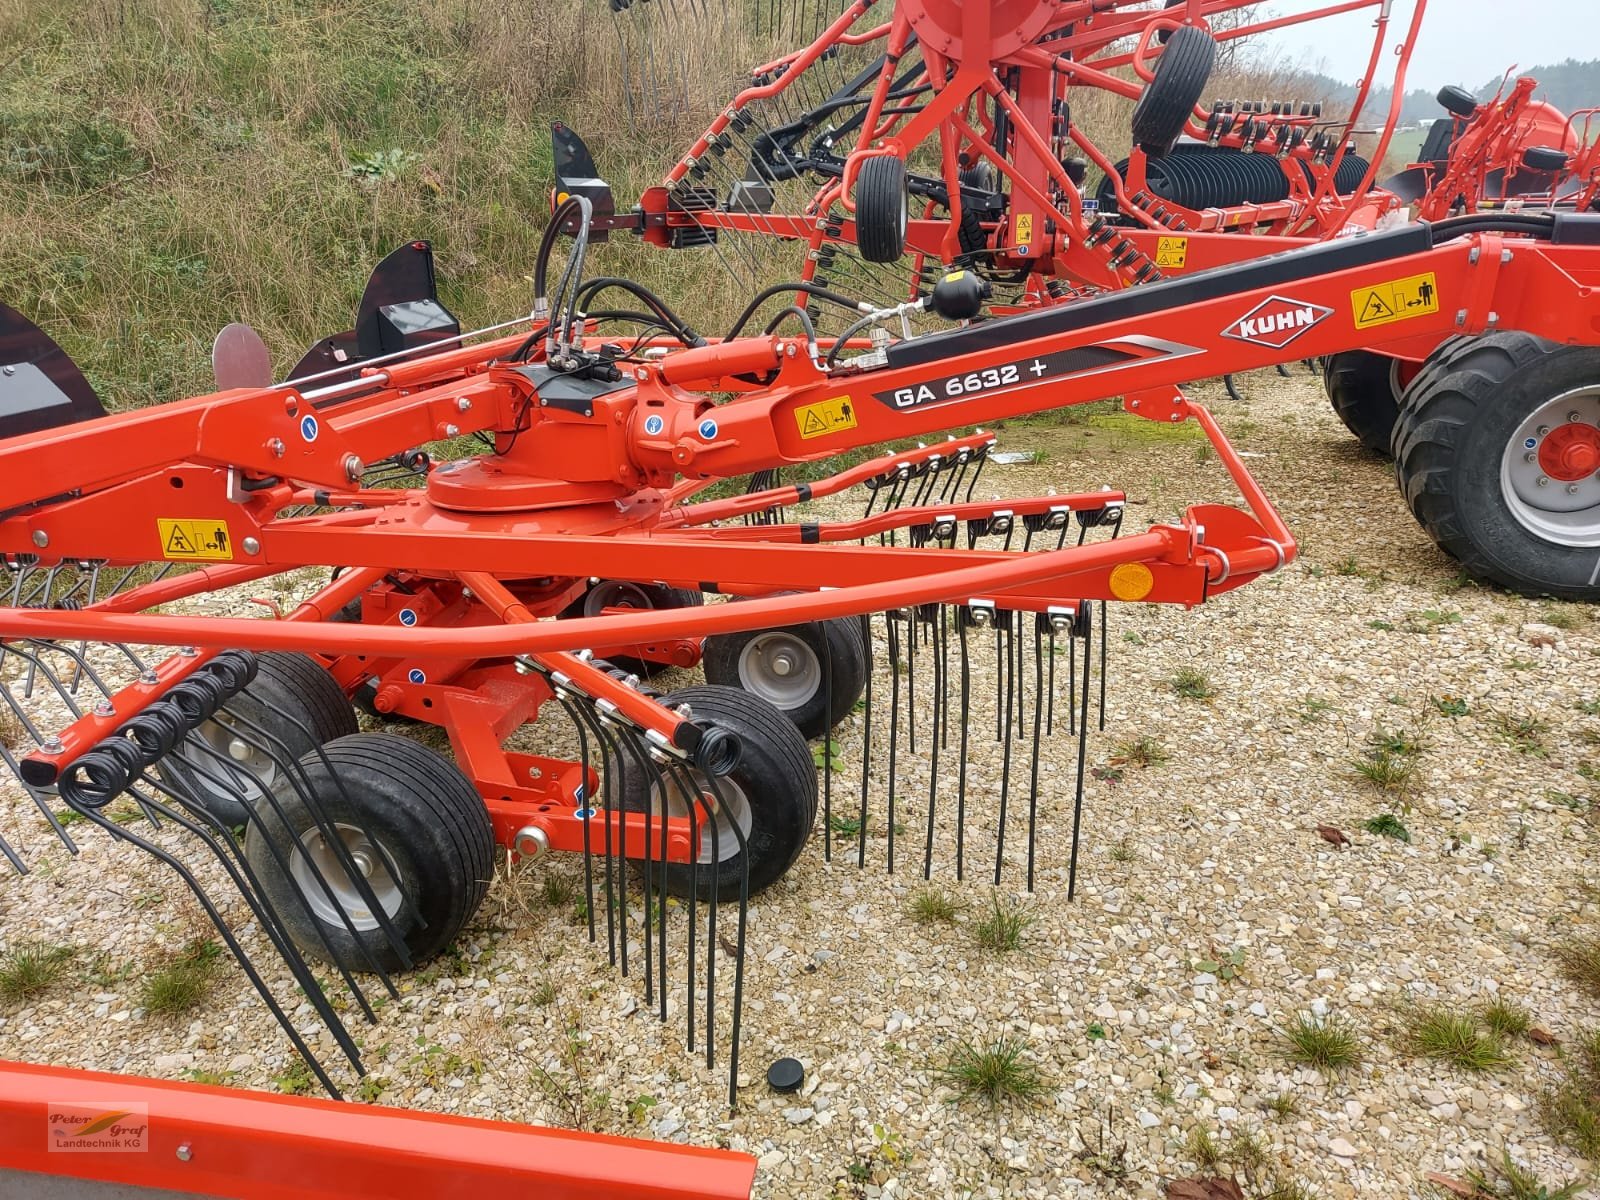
294,700
744,660
881,209
775,776
1181,75
974,238
615,593
1365,391
1546,159
1456,422
432,837
1457,101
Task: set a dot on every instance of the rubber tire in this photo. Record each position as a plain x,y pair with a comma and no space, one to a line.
284,680
973,237
661,597
1545,159
1454,423
1364,392
881,208
775,771
839,640
1181,75
1457,101
425,815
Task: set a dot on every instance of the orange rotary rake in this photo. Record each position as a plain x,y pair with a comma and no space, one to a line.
517,598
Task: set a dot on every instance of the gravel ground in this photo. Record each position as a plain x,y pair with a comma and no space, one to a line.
1212,852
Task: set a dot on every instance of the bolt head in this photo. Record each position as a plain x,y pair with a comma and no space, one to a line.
184,1152
1572,489
1544,481
275,447
1543,431
251,546
463,405
782,665
41,539
238,749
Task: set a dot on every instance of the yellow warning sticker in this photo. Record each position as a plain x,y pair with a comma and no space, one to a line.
194,539
1172,252
1024,229
825,417
1398,300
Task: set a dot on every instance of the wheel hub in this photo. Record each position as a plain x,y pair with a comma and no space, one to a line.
718,840
316,861
1550,472
1571,452
780,667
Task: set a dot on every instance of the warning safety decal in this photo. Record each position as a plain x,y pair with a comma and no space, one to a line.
1172,253
194,539
1398,300
825,417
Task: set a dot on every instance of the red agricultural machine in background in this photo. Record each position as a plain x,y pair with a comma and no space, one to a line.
883,152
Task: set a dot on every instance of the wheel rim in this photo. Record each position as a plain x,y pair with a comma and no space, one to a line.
316,856
1550,473
615,593
241,761
780,667
718,841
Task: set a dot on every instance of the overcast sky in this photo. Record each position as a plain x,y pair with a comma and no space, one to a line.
1462,41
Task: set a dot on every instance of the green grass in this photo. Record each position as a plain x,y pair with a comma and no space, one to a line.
997,1072
1509,1180
1283,1106
1449,706
1455,1038
1524,732
1001,930
1506,1020
1387,825
1202,1148
1580,961
1143,751
932,905
1571,1108
29,969
558,890
1327,1044
186,979
1191,684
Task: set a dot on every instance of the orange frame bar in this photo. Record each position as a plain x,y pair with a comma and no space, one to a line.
257,1146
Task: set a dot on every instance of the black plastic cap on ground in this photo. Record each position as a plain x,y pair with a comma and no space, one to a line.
786,1075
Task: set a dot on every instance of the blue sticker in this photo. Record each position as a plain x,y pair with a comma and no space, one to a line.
309,428
1530,443
577,795
708,429
408,617
583,814
653,425
416,675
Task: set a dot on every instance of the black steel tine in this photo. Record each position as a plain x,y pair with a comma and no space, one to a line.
588,808
866,741
1050,689
661,923
608,755
934,738
1005,749
1083,750
85,802
1038,705
694,893
893,636
944,672
1114,518
739,943
828,719
911,686
963,617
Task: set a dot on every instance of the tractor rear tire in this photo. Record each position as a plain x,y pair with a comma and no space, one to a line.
1365,391
1181,75
404,811
1472,444
881,208
291,699
771,793
787,667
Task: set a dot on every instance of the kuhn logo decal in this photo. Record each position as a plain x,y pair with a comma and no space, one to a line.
1276,322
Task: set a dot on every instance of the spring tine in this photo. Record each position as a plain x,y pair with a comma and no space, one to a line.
608,756
827,754
1005,750
661,913
85,804
587,804
977,472
1050,689
866,742
999,679
713,943
1114,517
933,767
944,669
893,635
694,892
1083,749
963,619
911,689
186,797
739,943
1039,624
